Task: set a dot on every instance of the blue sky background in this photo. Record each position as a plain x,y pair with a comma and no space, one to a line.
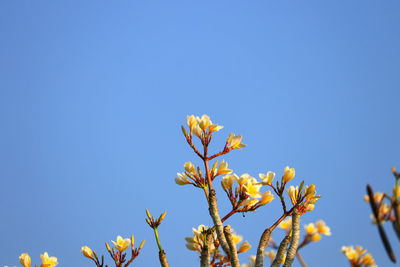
93,93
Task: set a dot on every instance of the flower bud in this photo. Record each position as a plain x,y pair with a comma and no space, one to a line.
87,252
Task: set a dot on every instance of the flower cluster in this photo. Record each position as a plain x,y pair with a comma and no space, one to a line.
358,256
47,261
200,239
117,252
247,193
304,197
313,231
197,241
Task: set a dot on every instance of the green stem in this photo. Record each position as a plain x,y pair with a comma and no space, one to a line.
157,239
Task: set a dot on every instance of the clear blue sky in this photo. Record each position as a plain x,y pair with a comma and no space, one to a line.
93,93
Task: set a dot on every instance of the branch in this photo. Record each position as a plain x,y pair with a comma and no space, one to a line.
205,252
163,258
301,260
232,247
280,255
382,232
213,209
291,253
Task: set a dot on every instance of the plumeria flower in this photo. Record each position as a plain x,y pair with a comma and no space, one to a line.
358,257
48,261
286,224
288,174
235,141
122,243
25,260
87,252
267,178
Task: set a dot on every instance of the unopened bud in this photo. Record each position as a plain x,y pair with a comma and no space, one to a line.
162,216
132,241
148,214
142,244
108,247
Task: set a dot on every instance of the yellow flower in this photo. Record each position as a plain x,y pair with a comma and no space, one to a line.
189,167
368,260
249,203
223,168
181,179
310,229
350,252
192,122
245,246
196,242
378,196
25,260
310,192
215,128
243,179
227,181
267,178
288,174
197,131
266,198
48,261
252,188
121,244
235,141
323,228
87,252
286,224
204,122
293,193
316,237
235,237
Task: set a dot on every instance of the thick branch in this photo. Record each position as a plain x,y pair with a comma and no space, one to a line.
213,208
205,252
280,255
261,247
291,253
163,258
232,247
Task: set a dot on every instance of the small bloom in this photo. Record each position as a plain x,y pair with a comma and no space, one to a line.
189,167
316,237
293,193
310,229
322,228
87,252
288,174
121,244
223,168
244,178
245,246
48,261
266,198
286,224
227,181
235,141
204,122
25,260
181,179
191,121
252,188
267,178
